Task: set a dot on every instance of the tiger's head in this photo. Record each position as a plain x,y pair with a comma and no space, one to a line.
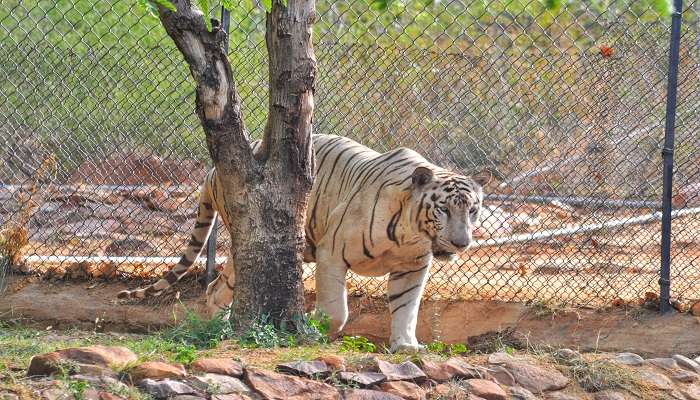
448,207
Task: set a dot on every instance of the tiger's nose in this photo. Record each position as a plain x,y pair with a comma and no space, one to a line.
460,243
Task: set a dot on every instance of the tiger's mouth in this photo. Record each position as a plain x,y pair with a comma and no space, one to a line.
444,255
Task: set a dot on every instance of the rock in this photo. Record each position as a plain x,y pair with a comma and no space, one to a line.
665,363
157,370
187,397
655,380
695,310
45,364
628,359
273,385
609,395
222,366
536,379
8,396
363,379
405,390
309,369
336,363
501,375
101,382
520,393
500,358
166,388
56,394
108,396
101,356
231,396
406,371
219,384
561,396
692,392
486,389
364,394
685,377
687,363
90,394
567,354
454,368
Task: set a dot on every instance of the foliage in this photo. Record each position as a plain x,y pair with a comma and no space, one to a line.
200,332
263,333
358,344
439,347
196,332
185,354
77,388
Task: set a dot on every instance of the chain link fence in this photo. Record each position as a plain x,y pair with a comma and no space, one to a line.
102,154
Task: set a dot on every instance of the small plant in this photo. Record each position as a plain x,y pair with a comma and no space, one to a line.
199,332
358,344
438,347
185,354
509,350
77,388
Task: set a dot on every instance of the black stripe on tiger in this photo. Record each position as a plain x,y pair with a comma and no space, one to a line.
399,275
185,261
195,243
397,296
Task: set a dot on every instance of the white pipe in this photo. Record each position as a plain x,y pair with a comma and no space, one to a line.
115,259
579,229
525,237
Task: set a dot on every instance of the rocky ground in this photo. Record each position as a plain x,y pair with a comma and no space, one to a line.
84,365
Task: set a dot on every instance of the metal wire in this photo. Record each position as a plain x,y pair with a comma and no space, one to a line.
564,107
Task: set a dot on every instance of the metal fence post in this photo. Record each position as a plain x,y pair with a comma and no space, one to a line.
211,242
667,151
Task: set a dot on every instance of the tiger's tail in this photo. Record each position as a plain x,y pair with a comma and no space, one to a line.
206,215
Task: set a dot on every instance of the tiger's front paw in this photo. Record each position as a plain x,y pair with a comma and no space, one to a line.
407,348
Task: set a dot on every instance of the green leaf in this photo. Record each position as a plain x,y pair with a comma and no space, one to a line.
379,5
166,3
204,6
552,5
663,7
150,9
227,4
284,2
267,4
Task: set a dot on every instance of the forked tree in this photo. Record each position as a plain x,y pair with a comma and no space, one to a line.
265,193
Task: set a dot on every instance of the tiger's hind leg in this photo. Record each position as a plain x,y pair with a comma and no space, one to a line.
220,291
405,290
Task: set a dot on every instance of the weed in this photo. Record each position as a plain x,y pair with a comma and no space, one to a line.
185,354
594,376
199,332
359,344
77,388
438,347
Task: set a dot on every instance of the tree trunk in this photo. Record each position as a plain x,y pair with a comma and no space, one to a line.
265,193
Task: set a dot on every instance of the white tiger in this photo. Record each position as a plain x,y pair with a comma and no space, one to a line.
372,213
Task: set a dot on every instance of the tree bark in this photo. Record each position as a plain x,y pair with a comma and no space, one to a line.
265,193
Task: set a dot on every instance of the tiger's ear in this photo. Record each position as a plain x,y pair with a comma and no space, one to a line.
483,177
421,176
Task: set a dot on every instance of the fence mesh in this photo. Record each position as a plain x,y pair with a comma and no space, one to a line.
102,153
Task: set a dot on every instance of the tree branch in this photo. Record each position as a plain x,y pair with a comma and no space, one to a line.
292,77
218,103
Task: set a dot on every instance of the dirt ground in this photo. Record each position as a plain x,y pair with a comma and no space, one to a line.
91,305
